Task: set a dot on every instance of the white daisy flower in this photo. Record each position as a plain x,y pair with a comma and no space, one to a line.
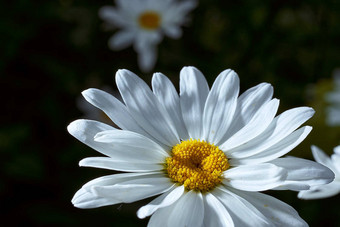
333,97
143,24
328,190
206,153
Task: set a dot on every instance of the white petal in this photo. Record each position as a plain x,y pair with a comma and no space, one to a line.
276,151
176,13
187,211
248,104
164,200
321,192
241,211
258,177
279,213
121,39
112,16
193,94
147,58
173,31
125,4
146,40
336,163
281,126
133,190
215,214
303,173
332,97
145,108
117,178
185,6
85,130
220,106
86,199
114,109
333,113
130,146
168,97
321,157
161,217
256,126
337,150
126,166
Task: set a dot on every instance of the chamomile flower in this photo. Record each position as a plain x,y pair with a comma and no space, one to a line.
143,23
328,190
206,154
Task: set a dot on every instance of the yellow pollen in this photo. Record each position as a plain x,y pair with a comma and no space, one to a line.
149,20
196,164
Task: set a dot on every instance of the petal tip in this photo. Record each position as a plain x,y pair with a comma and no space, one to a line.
73,126
86,92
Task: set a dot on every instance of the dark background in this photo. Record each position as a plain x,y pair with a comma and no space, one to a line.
52,50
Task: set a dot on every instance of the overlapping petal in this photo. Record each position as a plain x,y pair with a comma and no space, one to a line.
193,94
220,106
167,95
87,198
258,177
182,216
281,127
277,150
215,214
188,210
328,190
143,148
145,108
136,189
126,166
279,213
255,126
321,192
321,157
240,210
114,109
164,200
302,173
248,104
85,130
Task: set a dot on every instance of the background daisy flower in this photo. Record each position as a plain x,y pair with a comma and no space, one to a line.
143,24
206,152
328,190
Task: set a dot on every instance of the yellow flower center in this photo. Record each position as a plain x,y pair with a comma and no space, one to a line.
149,20
196,164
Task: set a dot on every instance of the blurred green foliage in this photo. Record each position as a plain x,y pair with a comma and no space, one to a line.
52,50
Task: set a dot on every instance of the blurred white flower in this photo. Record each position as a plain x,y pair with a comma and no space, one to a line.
333,98
143,24
328,190
206,152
